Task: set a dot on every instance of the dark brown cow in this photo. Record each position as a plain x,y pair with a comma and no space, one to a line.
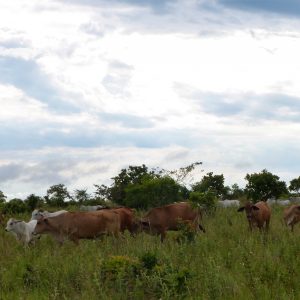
291,215
79,225
160,219
257,214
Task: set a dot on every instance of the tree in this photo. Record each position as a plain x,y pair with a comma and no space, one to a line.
295,185
236,192
264,185
2,197
102,192
132,175
206,200
81,196
184,175
14,206
153,192
56,195
210,182
33,201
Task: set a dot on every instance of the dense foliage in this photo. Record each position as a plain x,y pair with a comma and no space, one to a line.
142,188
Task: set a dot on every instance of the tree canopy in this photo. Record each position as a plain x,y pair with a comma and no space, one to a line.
264,185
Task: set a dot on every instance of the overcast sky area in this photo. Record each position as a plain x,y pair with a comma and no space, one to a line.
88,87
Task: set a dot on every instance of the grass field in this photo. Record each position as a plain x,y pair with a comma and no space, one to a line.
228,262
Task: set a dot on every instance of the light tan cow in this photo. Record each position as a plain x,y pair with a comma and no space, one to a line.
160,219
79,225
258,214
291,215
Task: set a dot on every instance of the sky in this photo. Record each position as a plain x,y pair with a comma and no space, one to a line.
88,87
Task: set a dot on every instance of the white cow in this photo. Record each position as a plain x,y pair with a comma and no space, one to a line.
271,201
295,200
90,207
283,202
38,214
228,203
279,202
22,230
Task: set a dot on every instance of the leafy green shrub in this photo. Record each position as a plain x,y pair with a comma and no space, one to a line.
119,267
186,233
149,260
14,206
206,200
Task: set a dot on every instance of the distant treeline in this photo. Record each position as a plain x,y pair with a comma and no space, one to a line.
142,188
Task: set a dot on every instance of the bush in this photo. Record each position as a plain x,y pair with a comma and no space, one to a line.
14,206
206,200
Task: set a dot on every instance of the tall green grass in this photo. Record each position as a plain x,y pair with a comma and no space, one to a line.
227,262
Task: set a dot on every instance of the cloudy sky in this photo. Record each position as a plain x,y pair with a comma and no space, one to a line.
88,87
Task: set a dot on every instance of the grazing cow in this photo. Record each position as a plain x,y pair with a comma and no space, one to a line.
38,214
22,230
79,225
291,215
295,200
258,214
228,203
126,218
283,202
91,207
271,201
160,219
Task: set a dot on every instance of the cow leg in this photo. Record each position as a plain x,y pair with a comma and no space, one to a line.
201,227
267,225
74,239
250,225
162,235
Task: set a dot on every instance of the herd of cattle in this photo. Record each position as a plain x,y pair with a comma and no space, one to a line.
96,221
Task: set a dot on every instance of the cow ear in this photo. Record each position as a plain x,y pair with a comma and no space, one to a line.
241,209
46,221
255,207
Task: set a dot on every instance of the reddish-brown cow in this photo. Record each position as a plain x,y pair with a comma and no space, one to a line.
160,219
79,225
291,215
126,217
257,214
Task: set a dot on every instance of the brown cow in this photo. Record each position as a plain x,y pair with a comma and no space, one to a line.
258,214
126,217
291,215
79,225
160,219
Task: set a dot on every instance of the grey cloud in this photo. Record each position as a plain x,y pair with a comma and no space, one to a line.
288,7
118,77
27,76
246,106
28,136
158,6
126,120
10,171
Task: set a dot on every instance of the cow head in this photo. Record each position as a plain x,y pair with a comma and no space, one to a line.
42,226
250,209
11,224
140,225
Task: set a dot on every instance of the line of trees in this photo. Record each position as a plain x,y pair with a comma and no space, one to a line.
140,187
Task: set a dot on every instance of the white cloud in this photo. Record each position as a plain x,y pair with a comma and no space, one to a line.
117,81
